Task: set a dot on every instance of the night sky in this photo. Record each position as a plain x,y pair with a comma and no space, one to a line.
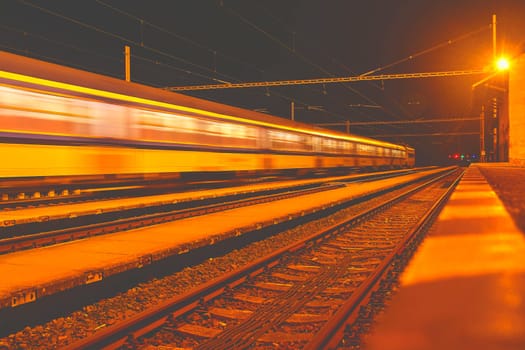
193,42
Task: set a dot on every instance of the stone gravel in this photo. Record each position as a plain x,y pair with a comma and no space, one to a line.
79,324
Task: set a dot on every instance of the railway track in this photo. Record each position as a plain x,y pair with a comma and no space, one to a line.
91,193
19,197
301,296
104,223
45,197
44,231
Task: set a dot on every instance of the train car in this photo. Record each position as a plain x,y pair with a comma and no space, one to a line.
63,124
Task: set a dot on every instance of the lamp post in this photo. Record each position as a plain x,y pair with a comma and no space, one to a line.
482,152
497,107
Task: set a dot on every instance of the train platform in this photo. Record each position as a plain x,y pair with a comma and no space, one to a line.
30,215
31,274
465,286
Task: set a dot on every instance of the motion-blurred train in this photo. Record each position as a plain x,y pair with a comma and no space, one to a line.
61,124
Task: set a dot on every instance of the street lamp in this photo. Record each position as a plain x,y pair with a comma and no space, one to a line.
502,64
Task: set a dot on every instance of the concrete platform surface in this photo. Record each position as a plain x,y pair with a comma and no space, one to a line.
465,286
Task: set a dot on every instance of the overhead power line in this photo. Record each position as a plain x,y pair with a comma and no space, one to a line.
143,22
418,121
153,50
130,41
435,134
329,80
431,49
291,49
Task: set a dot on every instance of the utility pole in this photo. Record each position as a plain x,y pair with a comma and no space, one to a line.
495,122
495,127
494,54
292,110
482,134
127,56
482,151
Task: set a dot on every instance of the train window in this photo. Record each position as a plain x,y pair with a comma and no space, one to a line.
80,108
397,153
341,146
158,126
328,145
304,143
21,109
212,128
181,123
110,121
233,130
219,133
316,142
149,120
37,105
365,149
286,141
189,129
169,122
230,130
349,147
308,143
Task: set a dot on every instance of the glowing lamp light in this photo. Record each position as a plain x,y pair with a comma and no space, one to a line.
502,63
